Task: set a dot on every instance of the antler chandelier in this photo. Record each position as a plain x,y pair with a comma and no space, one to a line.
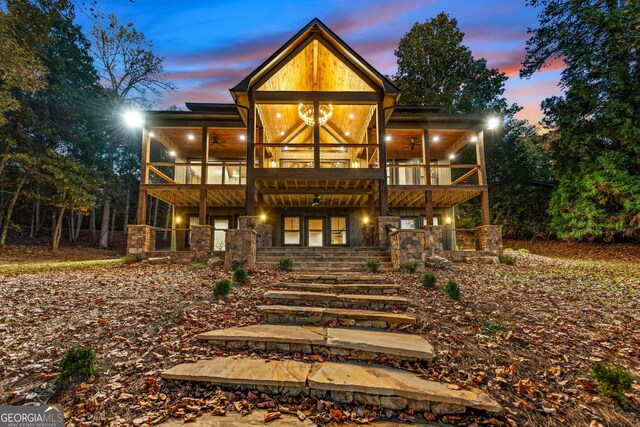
305,111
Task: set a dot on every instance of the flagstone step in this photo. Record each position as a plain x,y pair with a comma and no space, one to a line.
343,382
347,288
324,267
320,299
355,343
339,278
286,314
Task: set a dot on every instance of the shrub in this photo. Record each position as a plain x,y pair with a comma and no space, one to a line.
524,251
285,264
612,381
491,328
132,258
372,264
452,289
507,259
197,265
240,275
79,363
234,264
222,287
410,266
429,280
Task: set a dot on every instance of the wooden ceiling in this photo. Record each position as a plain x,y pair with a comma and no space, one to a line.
316,69
399,197
442,142
223,142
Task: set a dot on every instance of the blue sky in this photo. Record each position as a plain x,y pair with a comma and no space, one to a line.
209,46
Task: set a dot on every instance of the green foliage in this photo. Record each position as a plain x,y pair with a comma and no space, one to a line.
491,328
612,381
372,264
595,124
241,275
222,287
452,289
507,259
234,264
79,363
524,251
197,265
410,267
285,264
429,280
132,258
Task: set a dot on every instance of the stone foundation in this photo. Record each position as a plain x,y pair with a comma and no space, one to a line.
385,223
141,239
408,246
368,235
201,241
241,245
489,239
265,231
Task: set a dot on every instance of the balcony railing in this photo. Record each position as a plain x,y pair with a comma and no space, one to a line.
225,173
440,174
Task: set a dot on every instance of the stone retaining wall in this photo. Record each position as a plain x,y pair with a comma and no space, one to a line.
201,241
240,245
383,229
265,231
489,239
141,239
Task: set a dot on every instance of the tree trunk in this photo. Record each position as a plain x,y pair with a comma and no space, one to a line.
56,231
71,225
32,229
38,221
5,152
104,226
167,223
127,201
155,213
92,227
78,226
113,224
9,213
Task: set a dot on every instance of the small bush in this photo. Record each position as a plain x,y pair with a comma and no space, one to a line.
410,267
612,381
372,264
197,265
240,275
507,259
524,251
234,264
452,289
222,287
79,363
491,328
429,280
132,258
285,264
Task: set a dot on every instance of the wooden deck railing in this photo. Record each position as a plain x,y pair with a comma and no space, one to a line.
440,175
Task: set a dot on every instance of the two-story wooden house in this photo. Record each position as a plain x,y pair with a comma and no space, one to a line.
317,146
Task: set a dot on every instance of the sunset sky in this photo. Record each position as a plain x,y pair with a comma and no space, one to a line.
209,46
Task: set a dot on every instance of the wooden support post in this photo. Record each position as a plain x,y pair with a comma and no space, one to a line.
142,207
482,178
251,117
316,134
428,195
384,198
486,220
144,177
202,219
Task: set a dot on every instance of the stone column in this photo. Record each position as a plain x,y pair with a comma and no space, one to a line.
433,235
265,231
200,241
407,246
489,239
382,231
368,235
241,245
141,239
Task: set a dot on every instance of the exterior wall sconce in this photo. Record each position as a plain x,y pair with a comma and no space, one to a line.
365,220
178,220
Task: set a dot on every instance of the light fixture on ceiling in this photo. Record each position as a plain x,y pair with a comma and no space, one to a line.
172,153
278,115
306,113
387,138
242,137
436,138
281,133
190,137
351,116
151,134
347,133
452,156
474,138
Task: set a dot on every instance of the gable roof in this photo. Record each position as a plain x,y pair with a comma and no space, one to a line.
314,26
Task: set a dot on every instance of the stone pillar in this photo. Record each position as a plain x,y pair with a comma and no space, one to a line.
368,235
409,245
241,245
433,235
382,231
201,240
265,231
141,239
489,239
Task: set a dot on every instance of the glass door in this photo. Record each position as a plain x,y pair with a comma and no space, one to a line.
291,230
220,227
315,233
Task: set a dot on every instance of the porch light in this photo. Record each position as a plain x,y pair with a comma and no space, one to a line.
447,220
452,156
242,137
278,115
133,118
351,116
493,123
365,220
263,217
172,153
305,111
178,220
151,134
474,138
387,138
190,137
281,133
436,138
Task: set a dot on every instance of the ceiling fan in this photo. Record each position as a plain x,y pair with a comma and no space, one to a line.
216,142
319,201
412,144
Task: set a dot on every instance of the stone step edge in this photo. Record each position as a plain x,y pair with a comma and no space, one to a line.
293,378
328,297
339,313
304,339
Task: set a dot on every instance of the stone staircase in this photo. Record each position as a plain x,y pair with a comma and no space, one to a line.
346,319
321,259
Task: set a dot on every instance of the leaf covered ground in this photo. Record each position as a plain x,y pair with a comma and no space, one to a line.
527,334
